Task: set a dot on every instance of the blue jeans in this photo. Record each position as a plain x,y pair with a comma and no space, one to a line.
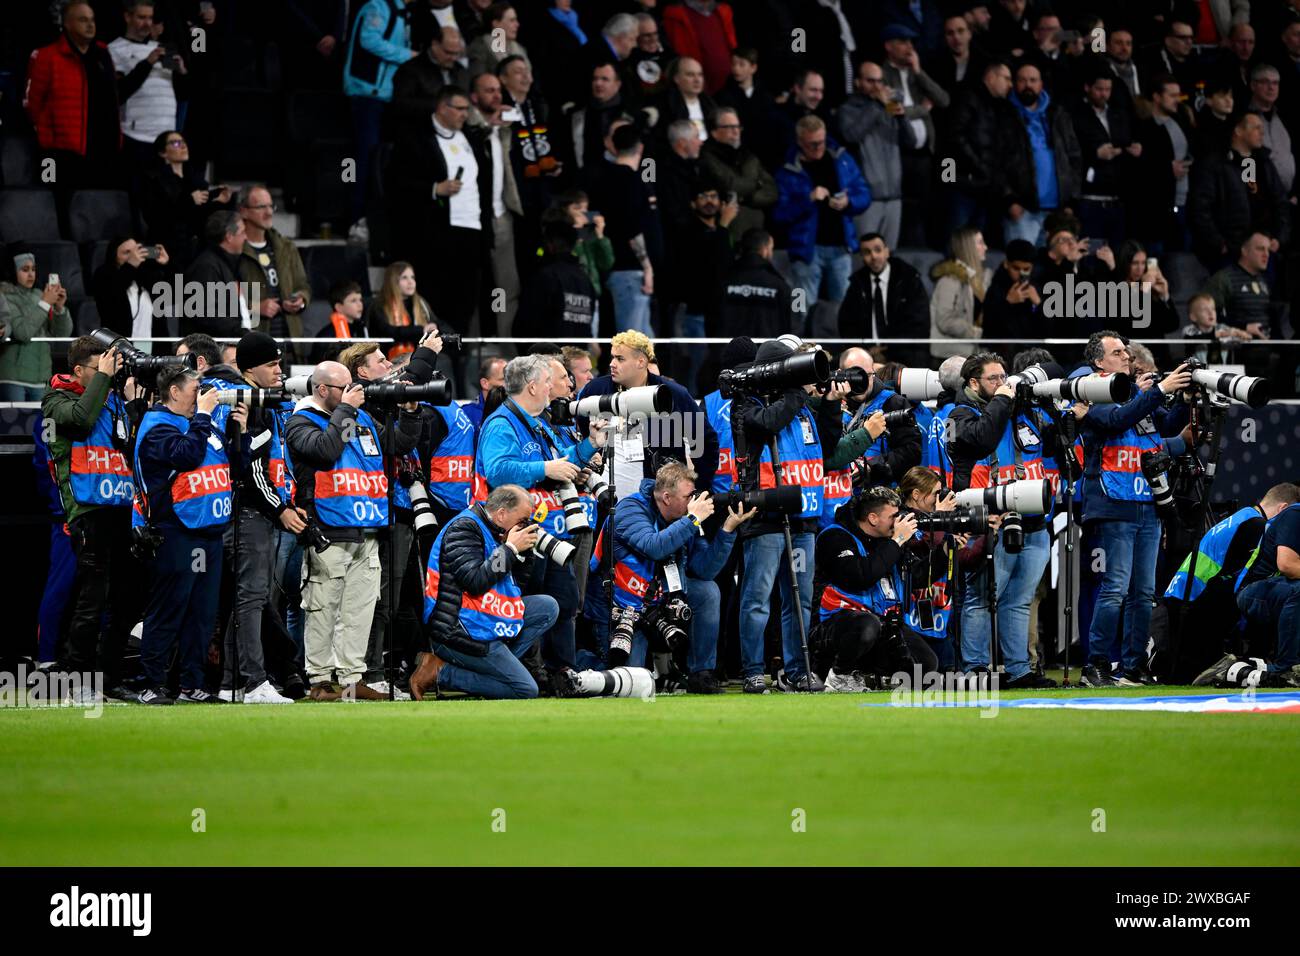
1028,227
1275,602
288,572
705,602
9,392
631,305
1018,576
499,675
831,263
182,606
1130,550
765,566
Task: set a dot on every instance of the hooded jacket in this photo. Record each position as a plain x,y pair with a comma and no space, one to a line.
799,213
22,361
1061,144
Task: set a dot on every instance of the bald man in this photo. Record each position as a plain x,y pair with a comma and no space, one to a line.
336,449
892,453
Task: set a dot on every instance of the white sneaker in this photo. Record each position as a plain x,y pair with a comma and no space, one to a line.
843,683
228,695
264,693
382,687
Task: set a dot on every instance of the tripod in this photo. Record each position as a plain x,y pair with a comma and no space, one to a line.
390,476
1065,431
236,476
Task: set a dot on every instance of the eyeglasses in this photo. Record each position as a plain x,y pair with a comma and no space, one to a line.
271,206
175,142
341,388
994,379
728,126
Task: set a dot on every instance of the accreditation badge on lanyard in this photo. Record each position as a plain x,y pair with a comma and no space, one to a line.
672,576
369,446
806,424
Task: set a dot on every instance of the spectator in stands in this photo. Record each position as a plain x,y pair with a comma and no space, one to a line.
442,194
122,289
613,46
379,42
151,78
685,99
472,17
704,31
1160,205
349,307
871,123
1176,58
821,189
677,175
737,170
703,253
217,267
957,65
960,284
273,262
1215,119
590,125
1043,167
1055,59
648,64
1013,300
833,34
758,112
1240,291
313,48
886,300
72,101
559,299
558,39
595,252
1118,59
500,41
399,312
756,299
919,95
621,194
1066,254
1225,208
982,123
175,199
1237,59
491,374
1110,154
28,313
1265,81
804,99
1010,30
1132,265
489,118
1203,323
417,81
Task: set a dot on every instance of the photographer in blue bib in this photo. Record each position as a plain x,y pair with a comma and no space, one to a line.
664,571
337,452
517,447
1120,525
183,504
262,486
997,439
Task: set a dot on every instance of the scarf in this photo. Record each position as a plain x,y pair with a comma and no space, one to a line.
569,20
980,402
847,44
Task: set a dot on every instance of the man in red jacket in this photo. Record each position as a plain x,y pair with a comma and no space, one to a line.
703,30
72,102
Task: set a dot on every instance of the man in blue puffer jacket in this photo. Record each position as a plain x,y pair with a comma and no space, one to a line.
820,190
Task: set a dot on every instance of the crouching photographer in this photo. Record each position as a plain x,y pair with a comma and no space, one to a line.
477,621
932,556
663,571
860,558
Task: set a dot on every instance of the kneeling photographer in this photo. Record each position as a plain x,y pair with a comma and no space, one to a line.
932,556
860,560
477,621
663,576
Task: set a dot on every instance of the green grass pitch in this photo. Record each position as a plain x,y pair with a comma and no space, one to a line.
678,781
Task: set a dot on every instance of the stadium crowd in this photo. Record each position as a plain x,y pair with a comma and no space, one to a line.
414,519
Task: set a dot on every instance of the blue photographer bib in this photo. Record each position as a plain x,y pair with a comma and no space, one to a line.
200,498
353,493
495,615
99,473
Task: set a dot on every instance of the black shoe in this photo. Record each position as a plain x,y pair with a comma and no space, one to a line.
153,696
1141,676
1093,676
703,682
198,696
1030,681
295,688
563,682
122,692
1287,678
1216,675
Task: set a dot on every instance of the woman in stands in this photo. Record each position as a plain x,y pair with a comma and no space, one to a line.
176,200
29,313
121,287
959,285
399,312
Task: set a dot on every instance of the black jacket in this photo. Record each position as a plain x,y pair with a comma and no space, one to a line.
463,570
980,126
837,562
699,255
109,287
1018,156
759,115
1110,177
903,445
253,471
311,449
213,265
419,220
753,426
756,301
558,301
415,89
1224,210
907,311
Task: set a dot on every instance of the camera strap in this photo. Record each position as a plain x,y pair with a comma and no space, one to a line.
540,432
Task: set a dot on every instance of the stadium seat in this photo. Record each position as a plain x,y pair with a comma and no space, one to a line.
317,114
250,117
86,318
93,255
1186,276
61,257
316,316
28,214
922,260
993,260
330,263
18,160
99,214
377,216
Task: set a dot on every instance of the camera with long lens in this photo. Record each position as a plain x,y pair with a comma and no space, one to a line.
1030,496
1155,469
1013,532
145,542
141,366
575,517
560,412
966,519
312,537
1038,381
596,485
859,381
899,418
918,384
767,378
298,386
665,622
399,393
423,509
644,400
622,624
1247,389
254,398
450,340
553,549
787,499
